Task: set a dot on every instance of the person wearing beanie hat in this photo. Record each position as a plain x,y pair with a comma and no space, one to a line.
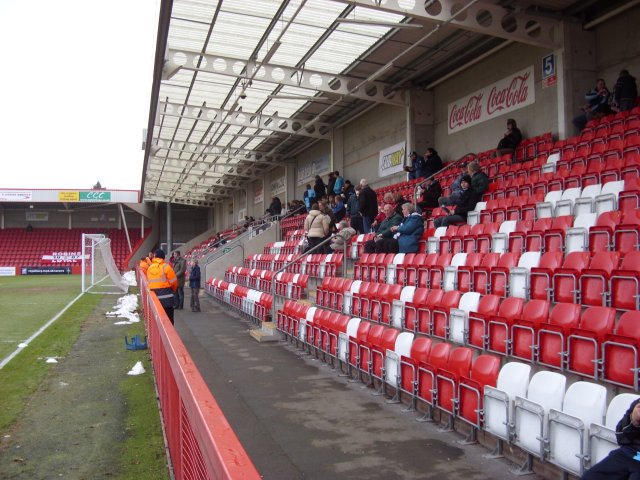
162,282
468,200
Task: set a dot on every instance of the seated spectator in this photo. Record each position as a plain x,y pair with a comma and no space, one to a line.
623,462
430,194
511,138
342,238
467,203
597,105
383,232
275,208
387,199
625,92
432,162
416,169
479,180
339,209
408,233
456,189
316,227
398,201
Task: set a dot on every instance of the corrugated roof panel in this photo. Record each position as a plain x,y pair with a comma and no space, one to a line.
195,10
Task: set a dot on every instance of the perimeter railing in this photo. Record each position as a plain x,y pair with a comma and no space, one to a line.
201,443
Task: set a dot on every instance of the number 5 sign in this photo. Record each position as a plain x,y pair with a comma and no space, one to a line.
549,76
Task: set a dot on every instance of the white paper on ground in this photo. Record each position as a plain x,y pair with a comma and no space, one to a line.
125,308
51,360
22,345
130,278
137,369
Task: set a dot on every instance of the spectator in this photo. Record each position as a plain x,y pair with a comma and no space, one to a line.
275,208
596,107
316,226
625,92
456,189
467,203
348,189
339,210
416,169
398,202
623,462
408,233
309,197
319,188
339,183
431,192
194,285
172,258
368,205
331,183
29,227
342,238
432,162
353,210
380,244
379,218
162,282
510,140
479,180
180,269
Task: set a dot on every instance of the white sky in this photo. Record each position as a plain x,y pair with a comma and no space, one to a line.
75,85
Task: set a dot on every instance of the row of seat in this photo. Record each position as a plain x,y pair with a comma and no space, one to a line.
284,247
570,427
313,265
249,303
290,285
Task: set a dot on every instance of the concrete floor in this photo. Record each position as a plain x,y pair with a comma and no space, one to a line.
298,419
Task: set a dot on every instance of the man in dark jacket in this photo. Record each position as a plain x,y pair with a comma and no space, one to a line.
622,463
511,139
432,190
368,205
432,162
416,169
353,210
625,92
320,188
331,183
479,180
383,233
468,202
194,285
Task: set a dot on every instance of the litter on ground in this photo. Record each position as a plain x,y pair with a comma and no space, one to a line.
137,369
130,278
126,308
51,360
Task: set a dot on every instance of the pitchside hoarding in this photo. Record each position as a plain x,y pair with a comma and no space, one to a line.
504,96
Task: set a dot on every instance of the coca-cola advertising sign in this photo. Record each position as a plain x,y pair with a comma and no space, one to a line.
503,96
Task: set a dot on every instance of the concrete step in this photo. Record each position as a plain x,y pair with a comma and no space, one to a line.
266,333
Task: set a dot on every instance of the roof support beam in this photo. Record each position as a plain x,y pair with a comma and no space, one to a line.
229,152
481,17
250,120
342,85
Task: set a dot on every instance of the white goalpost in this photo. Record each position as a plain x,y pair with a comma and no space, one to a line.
99,271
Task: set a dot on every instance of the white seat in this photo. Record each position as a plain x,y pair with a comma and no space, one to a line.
546,391
500,240
347,299
576,238
323,264
392,358
397,309
550,165
602,438
458,317
545,209
585,204
354,246
473,217
450,275
584,403
513,381
608,198
564,206
302,327
519,276
392,268
343,338
433,243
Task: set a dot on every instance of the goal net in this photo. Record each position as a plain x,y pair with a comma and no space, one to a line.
99,271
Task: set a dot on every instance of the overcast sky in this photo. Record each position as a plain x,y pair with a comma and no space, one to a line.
74,91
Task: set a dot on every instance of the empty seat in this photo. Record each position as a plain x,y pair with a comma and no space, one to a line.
484,373
621,352
498,330
584,343
552,336
594,280
608,198
448,377
458,317
524,332
519,276
565,279
427,385
418,354
393,358
475,330
540,277
577,237
625,283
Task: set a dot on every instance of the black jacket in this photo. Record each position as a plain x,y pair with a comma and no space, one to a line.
625,88
468,201
430,195
432,165
320,189
368,202
627,434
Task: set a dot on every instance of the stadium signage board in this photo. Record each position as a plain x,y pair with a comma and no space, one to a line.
63,257
16,195
258,194
7,271
68,196
391,159
95,196
499,98
278,186
45,271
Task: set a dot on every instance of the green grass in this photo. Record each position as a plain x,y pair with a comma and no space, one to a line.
28,302
22,376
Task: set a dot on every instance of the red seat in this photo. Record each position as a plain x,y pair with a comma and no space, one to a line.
553,238
361,302
456,241
365,364
420,350
626,236
625,283
382,302
411,271
433,274
410,317
524,331
533,242
439,322
499,275
540,278
621,352
354,344
552,336
427,371
465,272
594,280
387,341
483,240
484,372
401,272
517,238
565,279
477,322
584,344
601,234
458,366
498,336
480,274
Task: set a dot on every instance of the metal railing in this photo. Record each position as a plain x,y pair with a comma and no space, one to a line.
201,443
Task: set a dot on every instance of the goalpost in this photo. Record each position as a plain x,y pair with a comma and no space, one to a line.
99,271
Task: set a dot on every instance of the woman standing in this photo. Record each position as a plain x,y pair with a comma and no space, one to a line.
316,226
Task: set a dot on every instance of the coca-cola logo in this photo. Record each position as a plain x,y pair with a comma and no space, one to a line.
468,113
515,93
